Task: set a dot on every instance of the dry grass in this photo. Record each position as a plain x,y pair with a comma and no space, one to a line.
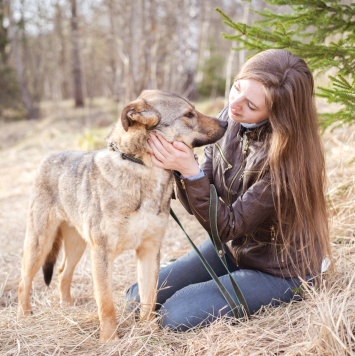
322,324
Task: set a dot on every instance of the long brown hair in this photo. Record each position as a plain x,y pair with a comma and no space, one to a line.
296,157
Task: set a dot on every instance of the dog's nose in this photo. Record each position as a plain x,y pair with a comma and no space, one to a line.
224,124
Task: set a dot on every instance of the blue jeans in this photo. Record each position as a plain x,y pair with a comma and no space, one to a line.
188,297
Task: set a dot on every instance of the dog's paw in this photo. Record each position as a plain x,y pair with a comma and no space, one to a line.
66,303
108,336
21,312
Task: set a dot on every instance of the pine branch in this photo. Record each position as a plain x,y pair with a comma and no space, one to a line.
321,32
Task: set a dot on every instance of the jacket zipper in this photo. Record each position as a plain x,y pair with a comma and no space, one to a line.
272,232
237,251
246,144
233,180
229,166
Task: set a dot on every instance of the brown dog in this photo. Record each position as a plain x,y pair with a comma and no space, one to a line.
112,200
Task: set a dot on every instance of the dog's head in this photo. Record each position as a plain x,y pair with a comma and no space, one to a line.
173,117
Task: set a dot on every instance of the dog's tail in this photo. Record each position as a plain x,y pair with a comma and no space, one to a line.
52,258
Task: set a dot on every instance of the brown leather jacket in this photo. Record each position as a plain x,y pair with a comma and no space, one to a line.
246,216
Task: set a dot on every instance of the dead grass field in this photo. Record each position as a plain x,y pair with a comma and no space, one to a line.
322,324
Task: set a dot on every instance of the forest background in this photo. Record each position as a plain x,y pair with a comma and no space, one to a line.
62,49
67,67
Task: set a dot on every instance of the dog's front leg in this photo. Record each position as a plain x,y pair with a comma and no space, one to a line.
102,261
148,259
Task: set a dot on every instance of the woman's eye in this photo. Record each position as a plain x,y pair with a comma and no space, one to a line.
251,108
190,115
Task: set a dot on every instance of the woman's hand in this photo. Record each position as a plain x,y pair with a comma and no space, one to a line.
175,156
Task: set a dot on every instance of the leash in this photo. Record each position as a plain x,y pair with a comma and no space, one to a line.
219,247
239,309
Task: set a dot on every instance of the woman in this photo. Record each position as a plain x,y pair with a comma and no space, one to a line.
269,174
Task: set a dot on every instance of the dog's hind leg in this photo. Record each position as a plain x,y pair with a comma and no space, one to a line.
74,247
102,262
148,258
40,237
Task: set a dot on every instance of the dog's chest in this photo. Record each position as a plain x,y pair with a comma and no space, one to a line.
128,187
155,193
142,226
122,200
149,217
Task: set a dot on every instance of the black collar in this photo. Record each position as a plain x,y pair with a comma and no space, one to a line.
113,147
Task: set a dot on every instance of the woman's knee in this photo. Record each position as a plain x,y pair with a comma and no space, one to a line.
132,298
173,319
187,309
168,321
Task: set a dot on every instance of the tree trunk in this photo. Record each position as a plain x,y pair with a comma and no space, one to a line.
62,57
191,53
136,55
20,70
112,46
241,57
76,65
3,35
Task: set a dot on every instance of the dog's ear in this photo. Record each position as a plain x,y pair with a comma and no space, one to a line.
141,112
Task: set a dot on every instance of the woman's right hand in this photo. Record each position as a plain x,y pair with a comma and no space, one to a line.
175,156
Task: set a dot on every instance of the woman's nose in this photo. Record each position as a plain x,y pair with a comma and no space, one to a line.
236,101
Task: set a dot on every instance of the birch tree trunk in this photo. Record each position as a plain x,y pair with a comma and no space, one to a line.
191,54
231,56
76,65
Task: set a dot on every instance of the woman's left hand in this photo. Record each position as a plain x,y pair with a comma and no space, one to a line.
175,156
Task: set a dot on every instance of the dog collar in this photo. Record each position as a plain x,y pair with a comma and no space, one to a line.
113,147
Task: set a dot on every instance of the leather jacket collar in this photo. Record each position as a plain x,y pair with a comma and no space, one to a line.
257,133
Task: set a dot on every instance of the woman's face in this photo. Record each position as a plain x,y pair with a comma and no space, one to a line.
247,102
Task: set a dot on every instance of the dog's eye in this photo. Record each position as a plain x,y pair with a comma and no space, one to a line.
190,115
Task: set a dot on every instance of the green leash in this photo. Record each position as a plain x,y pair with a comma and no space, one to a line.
220,250
239,309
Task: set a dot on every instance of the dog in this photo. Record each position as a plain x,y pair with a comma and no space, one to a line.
112,200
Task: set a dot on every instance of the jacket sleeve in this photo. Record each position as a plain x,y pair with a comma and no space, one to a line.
180,191
242,218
